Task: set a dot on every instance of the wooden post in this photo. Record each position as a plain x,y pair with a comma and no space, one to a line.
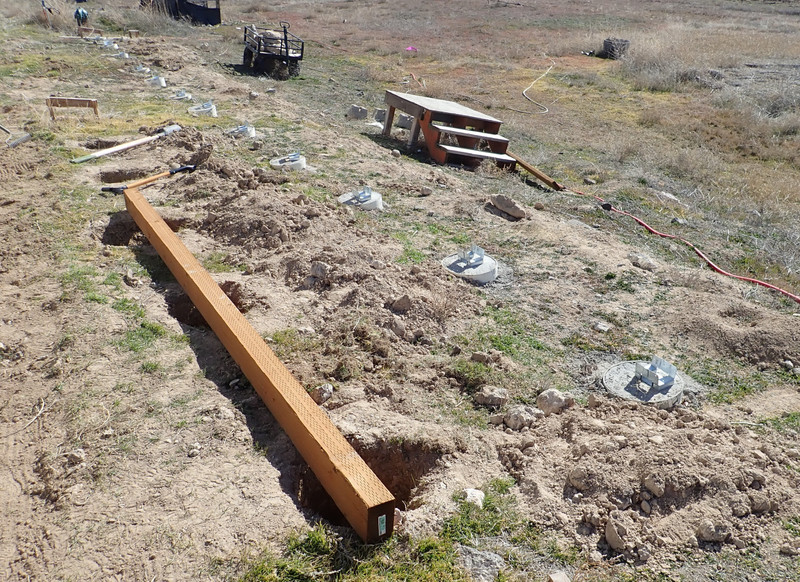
358,493
412,139
387,123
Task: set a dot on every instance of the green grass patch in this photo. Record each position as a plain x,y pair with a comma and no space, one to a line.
142,337
218,262
289,342
410,255
727,381
792,525
320,555
786,422
150,367
497,517
128,308
472,375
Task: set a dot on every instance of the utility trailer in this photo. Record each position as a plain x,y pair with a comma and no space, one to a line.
275,52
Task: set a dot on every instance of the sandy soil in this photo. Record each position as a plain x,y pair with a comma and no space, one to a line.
114,470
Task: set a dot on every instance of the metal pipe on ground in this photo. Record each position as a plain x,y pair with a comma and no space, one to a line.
360,495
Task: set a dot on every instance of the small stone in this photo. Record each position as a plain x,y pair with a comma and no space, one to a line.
425,191
482,566
474,497
521,416
558,577
580,478
194,452
593,401
322,393
615,532
708,531
508,205
788,364
589,181
253,95
644,553
739,543
398,327
539,206
496,419
481,357
491,396
642,261
602,327
130,279
760,503
402,304
788,549
645,505
553,401
76,457
654,485
395,153
320,270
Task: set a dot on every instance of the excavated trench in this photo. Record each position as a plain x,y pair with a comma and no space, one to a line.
400,465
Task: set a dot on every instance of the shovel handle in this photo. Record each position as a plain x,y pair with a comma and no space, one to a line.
82,159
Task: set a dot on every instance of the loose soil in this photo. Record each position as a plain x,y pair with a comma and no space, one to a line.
162,463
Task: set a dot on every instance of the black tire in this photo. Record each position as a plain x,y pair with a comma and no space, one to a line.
247,57
294,68
281,71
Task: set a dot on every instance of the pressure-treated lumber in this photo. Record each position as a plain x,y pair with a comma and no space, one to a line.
358,493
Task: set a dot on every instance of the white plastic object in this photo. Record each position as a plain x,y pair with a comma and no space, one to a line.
293,161
157,81
141,69
207,108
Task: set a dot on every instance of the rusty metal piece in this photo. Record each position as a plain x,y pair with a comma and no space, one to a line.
358,493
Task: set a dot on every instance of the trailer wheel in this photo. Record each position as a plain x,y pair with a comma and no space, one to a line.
280,72
294,68
247,58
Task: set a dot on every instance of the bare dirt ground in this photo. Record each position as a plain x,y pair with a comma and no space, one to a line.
131,446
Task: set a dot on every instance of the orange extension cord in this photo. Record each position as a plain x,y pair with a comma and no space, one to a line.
700,253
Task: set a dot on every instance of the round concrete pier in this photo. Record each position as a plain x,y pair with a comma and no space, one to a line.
620,381
482,273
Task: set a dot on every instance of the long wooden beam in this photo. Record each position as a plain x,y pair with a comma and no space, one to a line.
358,493
538,174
